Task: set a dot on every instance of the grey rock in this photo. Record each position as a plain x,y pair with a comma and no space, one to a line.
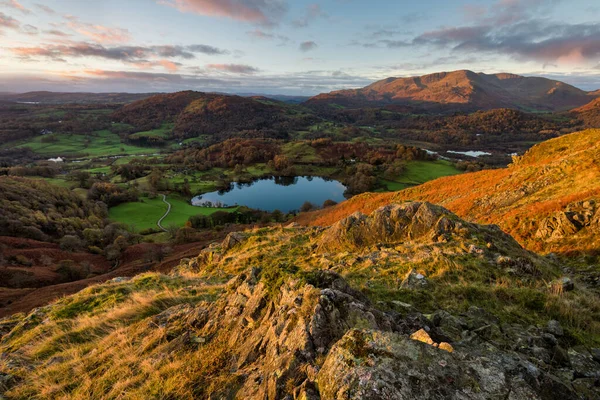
554,328
232,240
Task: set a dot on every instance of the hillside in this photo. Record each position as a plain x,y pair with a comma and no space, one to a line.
461,90
196,113
73,97
416,304
38,210
589,113
546,199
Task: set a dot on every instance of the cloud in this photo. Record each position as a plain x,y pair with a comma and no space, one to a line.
56,32
234,68
262,12
143,76
98,33
382,43
14,4
262,35
128,54
45,9
516,28
307,46
206,49
29,30
6,21
388,33
170,65
528,40
313,11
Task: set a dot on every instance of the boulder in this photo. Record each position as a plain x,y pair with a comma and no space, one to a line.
557,226
232,240
414,280
554,328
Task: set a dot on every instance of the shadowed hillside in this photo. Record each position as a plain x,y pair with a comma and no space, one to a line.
546,199
589,113
197,113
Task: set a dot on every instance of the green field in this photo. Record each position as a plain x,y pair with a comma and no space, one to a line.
418,172
162,132
101,143
145,213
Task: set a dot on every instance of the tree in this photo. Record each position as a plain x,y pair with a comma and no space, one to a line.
329,203
156,180
307,206
70,243
185,235
281,162
277,216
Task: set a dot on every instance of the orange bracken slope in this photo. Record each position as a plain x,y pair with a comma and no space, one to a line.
550,176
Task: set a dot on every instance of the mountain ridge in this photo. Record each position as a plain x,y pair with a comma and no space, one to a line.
462,90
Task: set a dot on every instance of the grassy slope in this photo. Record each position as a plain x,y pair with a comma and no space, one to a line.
102,143
162,132
549,176
418,172
143,215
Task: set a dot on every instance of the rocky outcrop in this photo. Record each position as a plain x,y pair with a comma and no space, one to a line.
575,217
408,222
325,340
391,224
422,230
272,340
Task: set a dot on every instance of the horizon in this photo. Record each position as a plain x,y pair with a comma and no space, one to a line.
276,47
266,94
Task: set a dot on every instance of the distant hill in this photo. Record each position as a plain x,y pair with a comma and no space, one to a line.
548,199
198,113
43,97
279,97
461,91
589,113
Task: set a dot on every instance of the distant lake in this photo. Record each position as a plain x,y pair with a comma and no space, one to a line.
276,193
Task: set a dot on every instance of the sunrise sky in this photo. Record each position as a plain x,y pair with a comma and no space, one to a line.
287,47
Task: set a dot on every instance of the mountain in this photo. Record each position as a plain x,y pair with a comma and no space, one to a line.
74,97
461,90
548,199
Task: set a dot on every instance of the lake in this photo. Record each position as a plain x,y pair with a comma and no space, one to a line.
276,193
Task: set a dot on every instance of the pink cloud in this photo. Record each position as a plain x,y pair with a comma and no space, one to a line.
16,5
100,33
6,21
45,9
166,64
264,12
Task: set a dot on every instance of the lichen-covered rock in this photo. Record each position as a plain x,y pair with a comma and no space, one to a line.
557,226
575,217
414,280
418,224
232,240
392,224
383,365
273,339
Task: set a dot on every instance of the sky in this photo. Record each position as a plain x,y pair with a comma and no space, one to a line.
300,47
